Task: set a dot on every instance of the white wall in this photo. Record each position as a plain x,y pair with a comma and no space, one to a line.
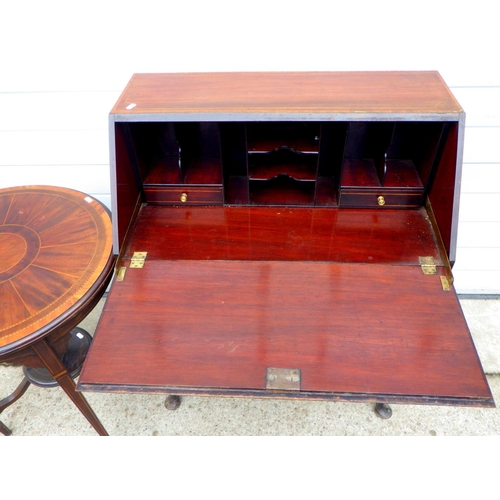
62,68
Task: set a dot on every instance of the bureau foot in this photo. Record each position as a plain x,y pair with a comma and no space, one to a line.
172,402
383,410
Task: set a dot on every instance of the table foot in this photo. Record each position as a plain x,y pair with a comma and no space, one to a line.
383,410
172,402
10,399
4,429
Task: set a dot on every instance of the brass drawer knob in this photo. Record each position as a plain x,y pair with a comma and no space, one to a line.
184,197
381,200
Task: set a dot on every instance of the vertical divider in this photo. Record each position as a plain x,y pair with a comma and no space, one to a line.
331,154
234,162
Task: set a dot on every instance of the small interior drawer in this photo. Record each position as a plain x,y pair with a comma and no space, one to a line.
380,198
184,195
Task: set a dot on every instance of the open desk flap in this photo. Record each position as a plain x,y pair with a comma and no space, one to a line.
335,331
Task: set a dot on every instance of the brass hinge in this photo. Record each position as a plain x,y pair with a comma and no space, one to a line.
138,260
445,283
287,379
428,265
120,274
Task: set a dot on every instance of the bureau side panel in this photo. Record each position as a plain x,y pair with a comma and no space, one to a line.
445,191
126,192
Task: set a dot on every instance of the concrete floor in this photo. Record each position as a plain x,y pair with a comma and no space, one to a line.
48,412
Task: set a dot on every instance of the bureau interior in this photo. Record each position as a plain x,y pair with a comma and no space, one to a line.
359,164
287,163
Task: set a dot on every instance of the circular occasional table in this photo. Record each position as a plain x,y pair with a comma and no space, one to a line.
56,261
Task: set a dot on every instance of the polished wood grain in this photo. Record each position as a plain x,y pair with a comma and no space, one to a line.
349,328
55,245
288,92
284,233
301,267
56,261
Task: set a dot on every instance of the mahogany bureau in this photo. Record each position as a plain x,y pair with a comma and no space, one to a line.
287,235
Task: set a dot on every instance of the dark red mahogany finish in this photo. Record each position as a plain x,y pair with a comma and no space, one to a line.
350,328
56,262
280,233
284,216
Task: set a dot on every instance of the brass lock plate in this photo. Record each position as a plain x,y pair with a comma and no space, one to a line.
283,379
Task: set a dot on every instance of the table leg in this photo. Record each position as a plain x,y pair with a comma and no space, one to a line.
10,399
59,372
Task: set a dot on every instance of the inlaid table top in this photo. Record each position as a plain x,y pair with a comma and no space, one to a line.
55,243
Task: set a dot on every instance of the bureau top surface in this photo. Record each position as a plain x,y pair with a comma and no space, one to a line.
276,95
